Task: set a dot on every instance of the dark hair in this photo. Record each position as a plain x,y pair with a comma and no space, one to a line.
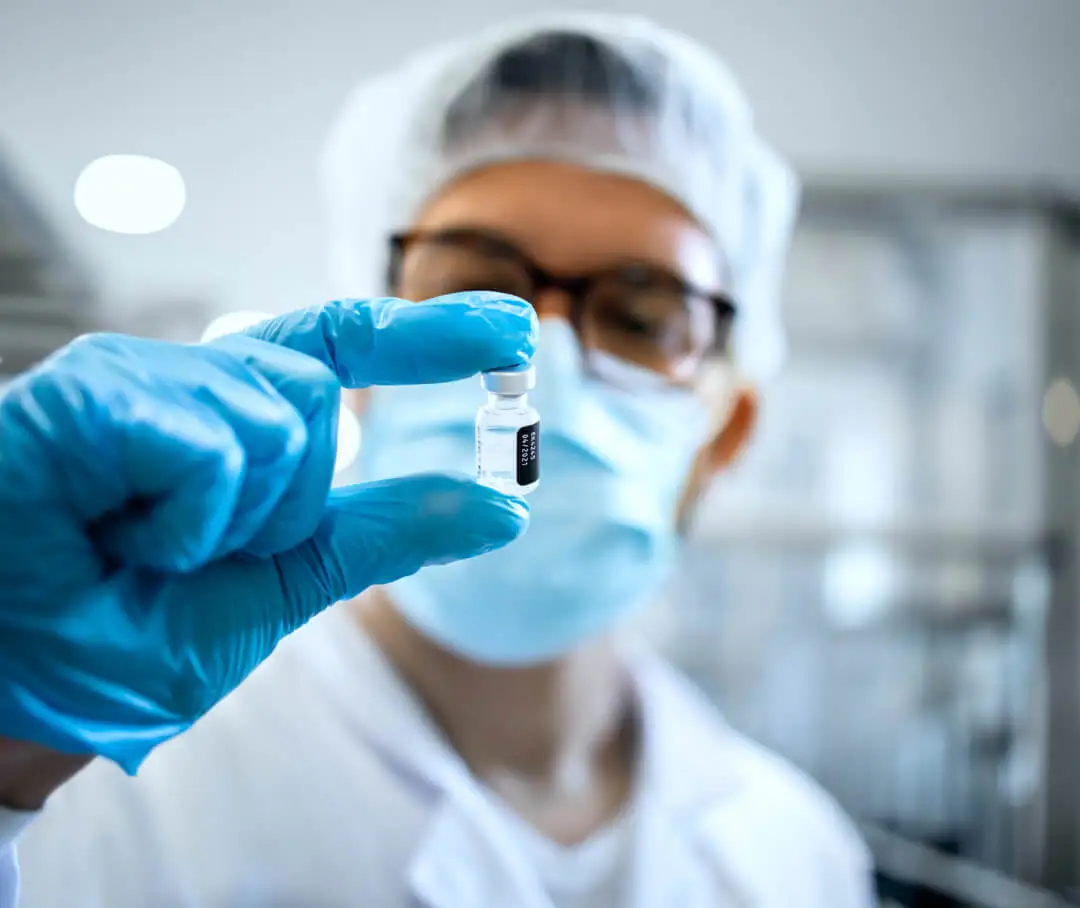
556,65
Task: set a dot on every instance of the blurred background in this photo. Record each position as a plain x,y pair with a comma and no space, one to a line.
902,541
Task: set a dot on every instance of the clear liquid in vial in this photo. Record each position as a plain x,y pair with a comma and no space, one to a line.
507,440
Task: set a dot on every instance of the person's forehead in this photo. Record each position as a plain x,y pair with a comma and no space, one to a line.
574,219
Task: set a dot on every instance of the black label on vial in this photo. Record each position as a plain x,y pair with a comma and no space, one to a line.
528,454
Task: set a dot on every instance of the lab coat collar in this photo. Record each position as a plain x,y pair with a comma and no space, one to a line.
690,767
690,757
463,858
376,703
688,760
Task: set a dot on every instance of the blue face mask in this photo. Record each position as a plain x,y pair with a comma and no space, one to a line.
602,534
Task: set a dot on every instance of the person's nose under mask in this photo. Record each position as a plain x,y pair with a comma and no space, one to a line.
602,535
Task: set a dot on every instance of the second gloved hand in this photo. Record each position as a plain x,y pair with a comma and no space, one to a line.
165,517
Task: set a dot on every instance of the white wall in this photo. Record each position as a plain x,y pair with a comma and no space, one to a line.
238,94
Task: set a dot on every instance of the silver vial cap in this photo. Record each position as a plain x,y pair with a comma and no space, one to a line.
512,382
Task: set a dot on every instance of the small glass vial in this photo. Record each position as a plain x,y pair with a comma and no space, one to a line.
508,432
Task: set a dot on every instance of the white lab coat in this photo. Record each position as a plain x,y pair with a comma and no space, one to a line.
321,783
11,824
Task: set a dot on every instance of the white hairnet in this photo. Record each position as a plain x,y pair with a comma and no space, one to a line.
615,93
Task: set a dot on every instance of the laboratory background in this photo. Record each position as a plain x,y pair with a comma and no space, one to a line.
887,588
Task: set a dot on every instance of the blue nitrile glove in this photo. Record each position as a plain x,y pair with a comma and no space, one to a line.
166,515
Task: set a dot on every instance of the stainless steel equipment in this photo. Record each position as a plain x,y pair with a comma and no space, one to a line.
871,591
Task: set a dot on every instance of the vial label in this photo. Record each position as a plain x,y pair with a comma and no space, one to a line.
528,454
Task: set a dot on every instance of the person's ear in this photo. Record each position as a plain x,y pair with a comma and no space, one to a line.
356,399
732,439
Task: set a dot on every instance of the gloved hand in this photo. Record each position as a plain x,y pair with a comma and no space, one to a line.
166,515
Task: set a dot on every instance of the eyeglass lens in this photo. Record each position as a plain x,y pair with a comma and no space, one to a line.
639,314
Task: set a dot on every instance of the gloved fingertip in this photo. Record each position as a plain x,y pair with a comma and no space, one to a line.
492,519
514,321
460,518
512,511
378,532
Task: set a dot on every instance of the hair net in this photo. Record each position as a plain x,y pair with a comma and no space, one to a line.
614,93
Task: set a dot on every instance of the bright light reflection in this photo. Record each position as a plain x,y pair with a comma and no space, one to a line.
131,194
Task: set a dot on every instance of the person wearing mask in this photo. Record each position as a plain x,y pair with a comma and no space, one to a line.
480,733
165,520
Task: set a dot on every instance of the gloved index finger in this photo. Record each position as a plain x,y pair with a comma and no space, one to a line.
396,342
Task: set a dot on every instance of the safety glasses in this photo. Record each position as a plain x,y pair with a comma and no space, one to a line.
637,313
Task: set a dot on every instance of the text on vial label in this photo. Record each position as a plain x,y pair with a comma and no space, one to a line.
528,454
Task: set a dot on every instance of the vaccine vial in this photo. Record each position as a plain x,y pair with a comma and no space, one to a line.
508,432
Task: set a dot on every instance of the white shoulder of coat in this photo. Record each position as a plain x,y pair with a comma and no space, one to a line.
777,790
700,749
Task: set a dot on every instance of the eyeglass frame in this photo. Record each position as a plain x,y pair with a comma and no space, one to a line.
576,287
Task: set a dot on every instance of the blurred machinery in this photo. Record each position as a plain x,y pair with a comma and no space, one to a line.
885,590
46,297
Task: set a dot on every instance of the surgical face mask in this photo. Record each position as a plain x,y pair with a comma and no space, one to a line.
614,458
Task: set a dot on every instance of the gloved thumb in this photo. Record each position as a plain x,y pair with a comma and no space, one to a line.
378,532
